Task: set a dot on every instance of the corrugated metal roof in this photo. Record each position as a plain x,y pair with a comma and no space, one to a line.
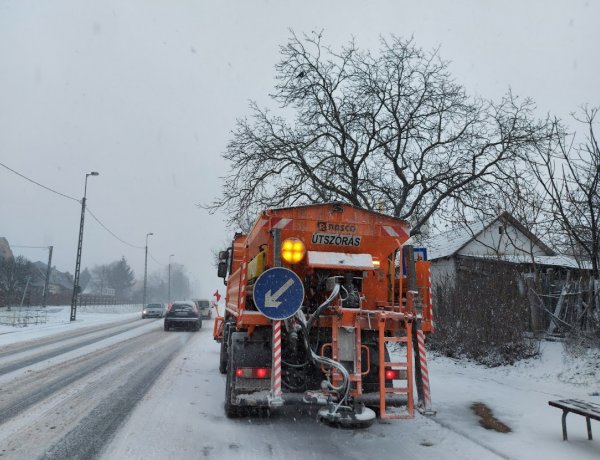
556,261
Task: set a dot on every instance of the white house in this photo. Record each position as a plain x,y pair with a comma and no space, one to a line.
503,239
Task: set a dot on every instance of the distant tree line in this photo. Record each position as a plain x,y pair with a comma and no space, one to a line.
22,281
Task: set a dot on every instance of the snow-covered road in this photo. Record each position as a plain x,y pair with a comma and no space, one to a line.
132,391
182,417
65,396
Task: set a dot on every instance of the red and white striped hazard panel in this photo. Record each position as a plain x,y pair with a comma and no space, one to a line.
394,230
280,222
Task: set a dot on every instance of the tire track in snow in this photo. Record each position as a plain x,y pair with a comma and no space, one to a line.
94,431
12,349
79,417
22,363
25,392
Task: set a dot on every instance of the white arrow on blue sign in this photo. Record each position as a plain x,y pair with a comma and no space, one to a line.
278,293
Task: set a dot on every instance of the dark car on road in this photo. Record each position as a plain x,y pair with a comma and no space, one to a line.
183,314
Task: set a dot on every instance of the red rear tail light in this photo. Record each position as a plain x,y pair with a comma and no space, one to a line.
392,374
253,372
260,373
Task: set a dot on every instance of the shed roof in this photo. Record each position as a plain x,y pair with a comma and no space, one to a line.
549,261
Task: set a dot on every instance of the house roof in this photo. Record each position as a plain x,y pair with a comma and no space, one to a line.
56,278
451,242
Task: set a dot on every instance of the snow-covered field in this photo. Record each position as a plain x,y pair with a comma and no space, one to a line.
182,414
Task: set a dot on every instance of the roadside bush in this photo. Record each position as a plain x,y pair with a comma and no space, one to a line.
579,342
483,317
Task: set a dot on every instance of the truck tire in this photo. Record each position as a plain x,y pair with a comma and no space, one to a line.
224,349
233,410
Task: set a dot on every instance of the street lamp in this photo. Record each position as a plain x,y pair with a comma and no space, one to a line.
169,294
146,271
79,245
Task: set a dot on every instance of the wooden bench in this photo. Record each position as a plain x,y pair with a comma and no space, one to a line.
586,409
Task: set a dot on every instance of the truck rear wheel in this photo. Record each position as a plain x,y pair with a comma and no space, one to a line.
233,410
224,347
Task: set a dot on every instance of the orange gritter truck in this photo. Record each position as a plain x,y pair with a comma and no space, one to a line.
316,297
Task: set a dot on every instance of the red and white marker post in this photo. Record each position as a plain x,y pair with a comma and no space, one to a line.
426,409
276,399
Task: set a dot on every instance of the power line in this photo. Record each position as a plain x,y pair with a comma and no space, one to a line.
37,183
74,199
28,247
87,209
109,231
152,257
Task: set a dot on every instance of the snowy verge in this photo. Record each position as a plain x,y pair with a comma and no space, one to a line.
58,320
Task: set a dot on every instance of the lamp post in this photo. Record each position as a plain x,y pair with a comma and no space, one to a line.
169,293
79,245
146,271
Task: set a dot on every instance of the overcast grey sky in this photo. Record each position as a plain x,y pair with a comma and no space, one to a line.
146,93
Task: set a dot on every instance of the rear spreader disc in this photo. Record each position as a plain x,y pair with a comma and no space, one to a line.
346,417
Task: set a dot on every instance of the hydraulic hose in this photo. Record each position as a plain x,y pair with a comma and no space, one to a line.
306,326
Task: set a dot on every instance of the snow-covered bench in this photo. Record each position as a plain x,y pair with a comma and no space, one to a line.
586,409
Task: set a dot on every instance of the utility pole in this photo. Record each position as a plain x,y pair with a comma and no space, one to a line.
79,245
169,293
146,271
48,271
25,291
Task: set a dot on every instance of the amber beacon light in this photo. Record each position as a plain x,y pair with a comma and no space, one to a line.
292,250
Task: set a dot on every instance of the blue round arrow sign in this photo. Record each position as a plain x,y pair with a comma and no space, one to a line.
278,293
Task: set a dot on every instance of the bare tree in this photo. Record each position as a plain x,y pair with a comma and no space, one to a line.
568,170
569,173
390,131
14,272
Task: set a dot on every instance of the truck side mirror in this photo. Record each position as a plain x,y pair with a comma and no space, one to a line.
222,269
223,255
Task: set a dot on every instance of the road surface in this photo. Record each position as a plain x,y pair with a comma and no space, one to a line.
133,391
